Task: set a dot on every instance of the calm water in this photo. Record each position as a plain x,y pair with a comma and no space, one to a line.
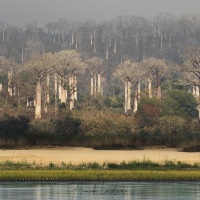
100,191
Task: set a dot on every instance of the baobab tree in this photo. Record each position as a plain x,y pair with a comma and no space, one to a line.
191,69
39,67
68,63
96,67
129,73
3,25
7,66
158,71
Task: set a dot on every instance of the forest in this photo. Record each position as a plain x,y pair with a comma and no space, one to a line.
124,83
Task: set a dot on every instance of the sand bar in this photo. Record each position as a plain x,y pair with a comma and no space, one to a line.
58,155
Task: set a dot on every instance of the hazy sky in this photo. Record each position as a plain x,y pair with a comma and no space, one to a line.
18,12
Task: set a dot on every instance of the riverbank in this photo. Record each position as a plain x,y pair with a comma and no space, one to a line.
98,175
76,155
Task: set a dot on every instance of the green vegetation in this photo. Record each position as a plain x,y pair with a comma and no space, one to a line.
98,175
169,122
132,165
132,171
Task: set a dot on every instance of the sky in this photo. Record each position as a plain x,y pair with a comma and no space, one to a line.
19,12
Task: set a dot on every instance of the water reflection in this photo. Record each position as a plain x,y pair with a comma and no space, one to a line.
99,191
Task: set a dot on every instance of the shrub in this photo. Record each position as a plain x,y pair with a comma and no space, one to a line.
65,123
101,123
148,112
13,127
172,128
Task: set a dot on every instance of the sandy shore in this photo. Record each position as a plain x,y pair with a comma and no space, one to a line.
58,155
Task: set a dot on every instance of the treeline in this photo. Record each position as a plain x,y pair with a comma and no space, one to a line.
165,36
172,122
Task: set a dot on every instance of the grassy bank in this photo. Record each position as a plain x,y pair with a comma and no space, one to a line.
132,171
98,175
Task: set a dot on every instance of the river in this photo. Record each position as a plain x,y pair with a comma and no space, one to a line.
99,190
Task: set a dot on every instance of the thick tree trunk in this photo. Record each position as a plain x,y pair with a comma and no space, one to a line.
54,37
75,88
56,91
199,112
48,83
38,102
27,102
107,53
194,91
18,94
197,91
72,38
22,57
139,90
10,74
115,46
3,35
63,95
92,85
95,85
58,38
71,104
94,41
135,106
125,97
59,88
91,39
159,95
128,95
110,41
149,88
45,107
99,84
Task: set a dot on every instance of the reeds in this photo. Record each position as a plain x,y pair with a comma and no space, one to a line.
98,175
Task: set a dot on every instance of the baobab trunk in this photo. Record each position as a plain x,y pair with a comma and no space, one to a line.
107,54
48,96
135,106
125,96
91,39
99,84
197,91
59,88
115,46
92,85
10,74
138,90
22,57
75,88
45,105
56,90
94,41
159,91
128,95
194,91
72,38
149,88
63,95
161,43
71,104
95,85
38,101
